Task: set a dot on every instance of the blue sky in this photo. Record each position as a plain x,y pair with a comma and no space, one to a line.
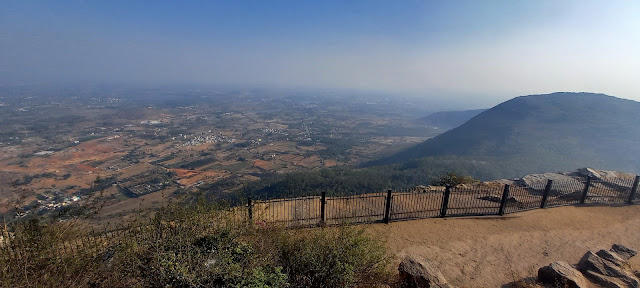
499,49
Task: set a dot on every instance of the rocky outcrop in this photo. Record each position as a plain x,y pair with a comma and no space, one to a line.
532,180
612,257
418,272
603,174
606,268
539,180
562,273
622,251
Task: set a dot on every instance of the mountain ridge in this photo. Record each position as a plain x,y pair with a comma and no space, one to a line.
562,130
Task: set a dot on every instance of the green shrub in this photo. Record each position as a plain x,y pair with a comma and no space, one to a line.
200,245
47,255
451,179
332,257
190,247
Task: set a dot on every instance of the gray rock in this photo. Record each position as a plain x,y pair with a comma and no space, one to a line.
589,172
562,273
540,179
605,281
612,257
623,251
417,272
606,273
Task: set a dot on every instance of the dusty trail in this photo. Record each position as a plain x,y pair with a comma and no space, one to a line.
492,251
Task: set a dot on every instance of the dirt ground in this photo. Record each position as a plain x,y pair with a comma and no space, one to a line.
494,251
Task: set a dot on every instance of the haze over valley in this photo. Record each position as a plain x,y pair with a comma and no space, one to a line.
187,143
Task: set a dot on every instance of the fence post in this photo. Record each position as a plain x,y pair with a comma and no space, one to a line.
323,201
387,208
546,193
586,190
445,201
250,208
634,190
505,197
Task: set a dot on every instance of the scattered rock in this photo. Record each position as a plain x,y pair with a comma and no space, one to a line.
606,273
539,179
562,273
608,269
592,262
623,251
605,281
612,257
589,172
417,272
603,174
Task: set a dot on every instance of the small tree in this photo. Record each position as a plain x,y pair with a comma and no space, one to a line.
452,179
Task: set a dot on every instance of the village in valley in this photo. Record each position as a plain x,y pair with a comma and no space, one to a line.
70,151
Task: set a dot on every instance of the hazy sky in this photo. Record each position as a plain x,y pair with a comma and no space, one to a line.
502,48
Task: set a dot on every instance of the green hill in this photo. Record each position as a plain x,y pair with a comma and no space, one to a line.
450,119
529,134
559,131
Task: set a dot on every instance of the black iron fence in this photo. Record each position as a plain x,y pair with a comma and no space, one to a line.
428,202
418,203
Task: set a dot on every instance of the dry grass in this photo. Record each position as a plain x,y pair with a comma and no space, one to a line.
195,246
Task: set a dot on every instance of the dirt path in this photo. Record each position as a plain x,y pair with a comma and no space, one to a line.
492,251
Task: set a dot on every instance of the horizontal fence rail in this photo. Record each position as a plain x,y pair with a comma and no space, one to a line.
418,203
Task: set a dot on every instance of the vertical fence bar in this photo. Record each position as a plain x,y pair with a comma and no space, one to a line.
634,190
387,207
250,208
505,197
546,193
445,201
323,201
586,190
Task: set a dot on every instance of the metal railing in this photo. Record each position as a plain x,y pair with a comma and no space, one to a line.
462,200
419,203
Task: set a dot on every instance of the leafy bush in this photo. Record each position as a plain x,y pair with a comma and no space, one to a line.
332,257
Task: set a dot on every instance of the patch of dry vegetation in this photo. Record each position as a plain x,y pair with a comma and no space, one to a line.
196,246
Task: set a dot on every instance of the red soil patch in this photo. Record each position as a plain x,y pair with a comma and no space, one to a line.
330,163
202,176
182,173
262,164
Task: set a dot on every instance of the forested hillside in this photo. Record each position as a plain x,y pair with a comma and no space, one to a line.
559,131
528,134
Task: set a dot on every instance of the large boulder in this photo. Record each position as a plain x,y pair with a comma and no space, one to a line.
604,174
418,272
607,273
622,251
612,257
562,273
533,180
589,172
